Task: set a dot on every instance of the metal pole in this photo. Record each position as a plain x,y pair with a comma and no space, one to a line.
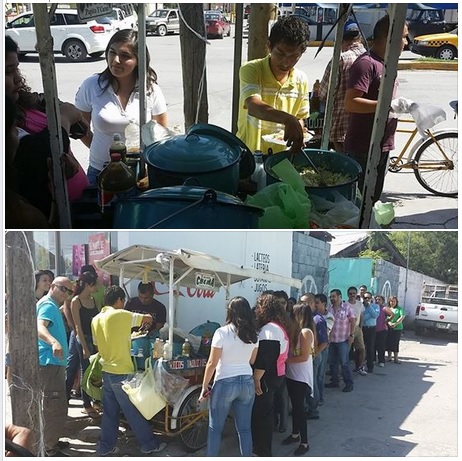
142,76
171,313
407,266
397,12
238,30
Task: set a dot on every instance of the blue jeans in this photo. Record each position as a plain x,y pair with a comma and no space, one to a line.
338,354
92,175
114,400
312,403
322,372
237,393
73,363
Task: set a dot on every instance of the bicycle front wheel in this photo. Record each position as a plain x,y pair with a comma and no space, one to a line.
433,170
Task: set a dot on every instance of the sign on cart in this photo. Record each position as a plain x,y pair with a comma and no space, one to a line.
87,11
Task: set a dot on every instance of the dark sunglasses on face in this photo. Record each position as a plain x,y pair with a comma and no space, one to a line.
64,289
367,297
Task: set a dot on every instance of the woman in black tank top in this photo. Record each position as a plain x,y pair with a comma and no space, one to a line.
83,309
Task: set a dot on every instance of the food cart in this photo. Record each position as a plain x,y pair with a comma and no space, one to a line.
187,418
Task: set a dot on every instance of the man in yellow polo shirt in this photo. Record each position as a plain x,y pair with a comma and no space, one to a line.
274,95
111,330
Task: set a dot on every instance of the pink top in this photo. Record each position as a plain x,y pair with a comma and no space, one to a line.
281,361
36,121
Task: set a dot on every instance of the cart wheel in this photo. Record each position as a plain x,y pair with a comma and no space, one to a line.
195,437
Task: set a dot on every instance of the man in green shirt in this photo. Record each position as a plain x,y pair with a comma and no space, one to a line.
274,95
111,330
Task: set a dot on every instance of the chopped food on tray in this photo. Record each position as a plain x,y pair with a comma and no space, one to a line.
330,178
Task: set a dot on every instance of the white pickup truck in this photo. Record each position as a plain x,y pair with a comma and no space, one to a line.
438,309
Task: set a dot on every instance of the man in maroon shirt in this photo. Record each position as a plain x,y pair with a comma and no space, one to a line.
361,100
146,304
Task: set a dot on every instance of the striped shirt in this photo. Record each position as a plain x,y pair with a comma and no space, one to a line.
292,97
341,329
340,117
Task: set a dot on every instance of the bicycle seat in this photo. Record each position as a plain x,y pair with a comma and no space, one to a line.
454,105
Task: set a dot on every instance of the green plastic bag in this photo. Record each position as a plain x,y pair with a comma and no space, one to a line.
284,207
92,382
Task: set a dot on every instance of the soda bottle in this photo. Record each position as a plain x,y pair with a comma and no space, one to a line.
259,175
168,351
118,146
115,177
186,348
132,137
156,349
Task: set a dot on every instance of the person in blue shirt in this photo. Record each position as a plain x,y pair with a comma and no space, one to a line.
52,354
371,312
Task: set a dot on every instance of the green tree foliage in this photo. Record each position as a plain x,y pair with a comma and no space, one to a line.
431,253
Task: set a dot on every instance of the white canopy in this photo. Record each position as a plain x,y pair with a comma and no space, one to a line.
153,264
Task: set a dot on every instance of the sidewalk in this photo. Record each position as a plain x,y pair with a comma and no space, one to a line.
389,413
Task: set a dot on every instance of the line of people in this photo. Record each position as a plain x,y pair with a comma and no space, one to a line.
279,347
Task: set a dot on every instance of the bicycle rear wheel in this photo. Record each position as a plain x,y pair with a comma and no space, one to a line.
432,170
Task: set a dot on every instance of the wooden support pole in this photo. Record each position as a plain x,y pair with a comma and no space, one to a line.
22,332
196,109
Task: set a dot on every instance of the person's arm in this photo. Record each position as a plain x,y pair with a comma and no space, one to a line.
162,119
324,84
44,335
306,339
257,376
355,103
212,362
75,310
89,137
253,356
68,314
19,435
352,320
293,131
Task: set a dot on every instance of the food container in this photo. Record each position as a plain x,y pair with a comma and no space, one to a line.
185,207
326,159
211,161
247,161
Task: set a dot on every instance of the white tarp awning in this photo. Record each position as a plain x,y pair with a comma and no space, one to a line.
153,264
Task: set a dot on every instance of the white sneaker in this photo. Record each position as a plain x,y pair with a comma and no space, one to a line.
362,371
381,364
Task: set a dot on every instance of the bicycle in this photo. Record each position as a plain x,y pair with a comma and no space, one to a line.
433,158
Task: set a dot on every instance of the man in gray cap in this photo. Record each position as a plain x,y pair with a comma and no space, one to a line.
352,47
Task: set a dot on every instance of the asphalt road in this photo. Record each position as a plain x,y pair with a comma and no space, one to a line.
400,410
414,206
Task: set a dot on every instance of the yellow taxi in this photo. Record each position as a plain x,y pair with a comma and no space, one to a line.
440,46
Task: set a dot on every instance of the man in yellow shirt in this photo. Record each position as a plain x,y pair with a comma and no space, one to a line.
111,330
274,95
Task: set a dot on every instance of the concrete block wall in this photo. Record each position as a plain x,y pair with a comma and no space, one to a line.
310,262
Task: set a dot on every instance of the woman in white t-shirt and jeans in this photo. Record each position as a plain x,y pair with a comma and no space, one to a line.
234,348
111,99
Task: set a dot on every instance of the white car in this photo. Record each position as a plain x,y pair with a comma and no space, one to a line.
121,20
74,40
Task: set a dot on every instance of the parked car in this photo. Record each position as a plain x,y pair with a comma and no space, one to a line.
120,20
162,22
74,40
440,46
426,22
216,25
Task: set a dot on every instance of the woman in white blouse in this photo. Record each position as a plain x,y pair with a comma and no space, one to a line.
110,100
234,348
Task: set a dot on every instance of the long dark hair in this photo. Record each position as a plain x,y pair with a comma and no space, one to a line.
240,315
269,309
303,318
26,99
130,37
87,278
11,178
